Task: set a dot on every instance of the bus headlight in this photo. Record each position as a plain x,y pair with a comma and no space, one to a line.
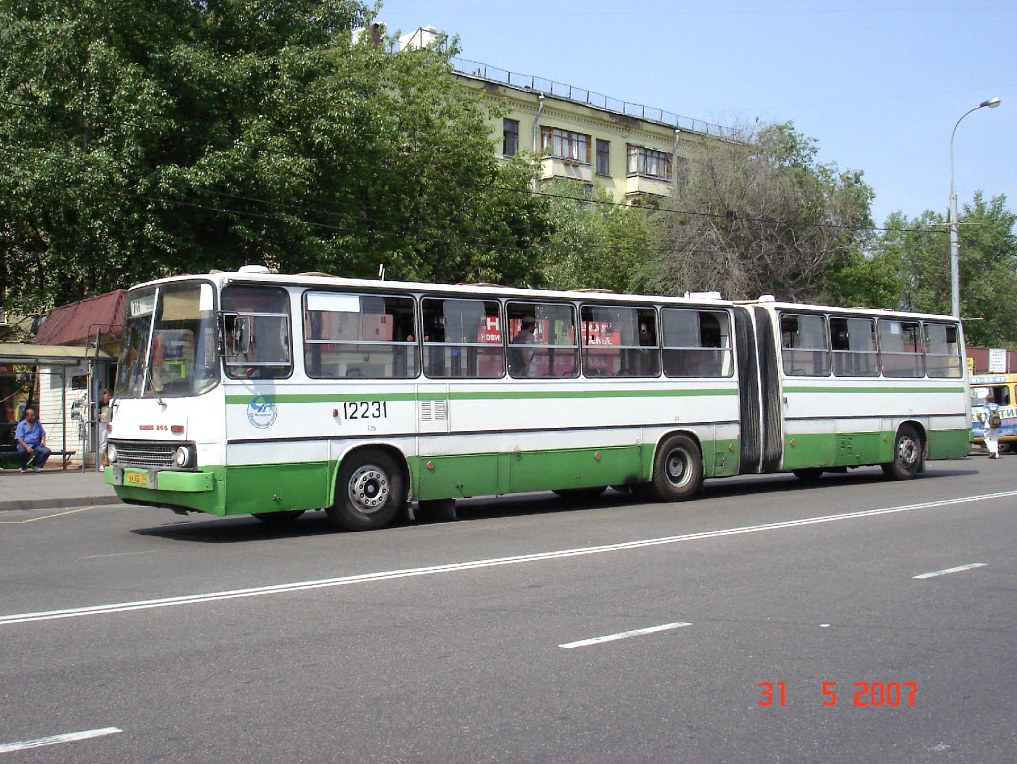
111,453
184,456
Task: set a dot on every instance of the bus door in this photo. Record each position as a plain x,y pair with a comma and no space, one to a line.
760,438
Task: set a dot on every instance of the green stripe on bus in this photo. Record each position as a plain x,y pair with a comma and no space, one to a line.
870,389
479,396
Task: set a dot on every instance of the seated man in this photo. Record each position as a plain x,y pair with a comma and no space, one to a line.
31,439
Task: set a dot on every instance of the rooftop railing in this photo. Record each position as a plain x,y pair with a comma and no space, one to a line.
588,98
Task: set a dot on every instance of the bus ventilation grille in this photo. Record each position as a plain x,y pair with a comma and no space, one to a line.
433,411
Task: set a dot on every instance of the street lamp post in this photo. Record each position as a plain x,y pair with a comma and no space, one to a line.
992,103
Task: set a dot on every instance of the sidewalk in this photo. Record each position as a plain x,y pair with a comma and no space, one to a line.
53,489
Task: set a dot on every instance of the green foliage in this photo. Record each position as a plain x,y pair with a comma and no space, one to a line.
595,243
912,259
140,139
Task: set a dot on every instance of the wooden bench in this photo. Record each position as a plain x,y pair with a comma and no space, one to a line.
9,450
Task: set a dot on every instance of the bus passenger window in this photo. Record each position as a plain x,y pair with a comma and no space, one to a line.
697,343
942,352
359,336
900,348
461,339
619,341
854,347
542,341
804,346
266,311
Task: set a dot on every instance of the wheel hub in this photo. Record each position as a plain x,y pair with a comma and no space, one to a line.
908,451
676,468
369,489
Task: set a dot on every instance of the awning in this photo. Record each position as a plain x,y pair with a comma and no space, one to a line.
30,354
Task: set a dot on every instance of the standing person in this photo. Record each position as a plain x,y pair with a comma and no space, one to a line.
105,414
991,421
521,349
31,440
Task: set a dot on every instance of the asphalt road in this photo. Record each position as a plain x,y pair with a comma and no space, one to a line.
161,638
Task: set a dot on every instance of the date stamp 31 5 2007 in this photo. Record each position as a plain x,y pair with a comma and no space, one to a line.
862,694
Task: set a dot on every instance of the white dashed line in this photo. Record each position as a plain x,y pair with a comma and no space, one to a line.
623,635
958,569
70,737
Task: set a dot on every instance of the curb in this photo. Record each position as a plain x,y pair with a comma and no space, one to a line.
58,503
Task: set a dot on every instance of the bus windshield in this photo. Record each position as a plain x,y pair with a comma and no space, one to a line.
170,342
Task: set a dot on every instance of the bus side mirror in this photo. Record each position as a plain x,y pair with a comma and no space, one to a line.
236,332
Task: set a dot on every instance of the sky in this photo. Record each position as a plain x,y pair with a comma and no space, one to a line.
879,84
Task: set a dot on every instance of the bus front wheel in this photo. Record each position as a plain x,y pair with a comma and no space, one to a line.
677,469
907,454
370,491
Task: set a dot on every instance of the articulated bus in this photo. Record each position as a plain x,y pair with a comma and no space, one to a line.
265,394
1003,391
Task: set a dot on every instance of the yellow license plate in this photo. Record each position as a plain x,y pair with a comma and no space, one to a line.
137,478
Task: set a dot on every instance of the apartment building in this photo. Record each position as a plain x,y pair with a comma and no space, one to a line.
630,150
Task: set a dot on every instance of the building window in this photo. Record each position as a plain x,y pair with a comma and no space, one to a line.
603,157
649,163
510,137
564,144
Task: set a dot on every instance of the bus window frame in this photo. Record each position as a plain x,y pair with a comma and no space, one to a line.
416,344
827,351
728,349
288,316
426,343
584,347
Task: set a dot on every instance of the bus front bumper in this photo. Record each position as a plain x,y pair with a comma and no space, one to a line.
155,479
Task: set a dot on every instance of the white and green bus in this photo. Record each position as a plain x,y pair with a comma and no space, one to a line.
265,394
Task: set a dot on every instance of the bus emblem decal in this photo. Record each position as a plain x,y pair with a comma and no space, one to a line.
262,412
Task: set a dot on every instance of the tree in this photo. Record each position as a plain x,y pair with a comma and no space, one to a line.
595,243
141,139
913,257
763,216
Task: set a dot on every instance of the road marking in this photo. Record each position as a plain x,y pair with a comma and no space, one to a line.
117,554
58,739
958,569
44,517
390,575
624,635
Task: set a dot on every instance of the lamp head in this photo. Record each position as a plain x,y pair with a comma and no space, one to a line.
992,103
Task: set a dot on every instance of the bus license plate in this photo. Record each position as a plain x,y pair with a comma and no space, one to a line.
137,478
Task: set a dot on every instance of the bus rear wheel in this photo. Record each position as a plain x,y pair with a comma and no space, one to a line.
907,454
370,491
677,469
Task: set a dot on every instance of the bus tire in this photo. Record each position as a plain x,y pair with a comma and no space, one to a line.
279,519
677,469
369,492
907,454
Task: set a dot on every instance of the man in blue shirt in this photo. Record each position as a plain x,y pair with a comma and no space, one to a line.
31,439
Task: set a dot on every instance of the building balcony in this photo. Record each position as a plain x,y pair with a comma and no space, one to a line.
640,184
555,167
